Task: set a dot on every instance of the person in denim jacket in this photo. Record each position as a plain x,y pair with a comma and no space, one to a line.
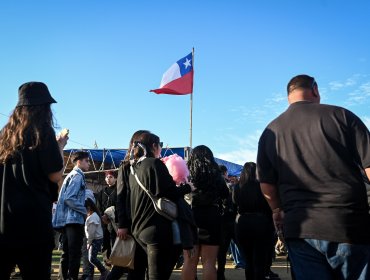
70,215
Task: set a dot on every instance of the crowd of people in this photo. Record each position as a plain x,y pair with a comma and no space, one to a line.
308,188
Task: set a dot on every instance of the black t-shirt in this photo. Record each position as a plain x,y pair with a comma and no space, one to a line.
314,154
106,198
249,199
26,194
147,225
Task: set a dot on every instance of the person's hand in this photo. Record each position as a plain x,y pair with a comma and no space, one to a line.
62,138
278,218
234,180
105,219
191,186
122,233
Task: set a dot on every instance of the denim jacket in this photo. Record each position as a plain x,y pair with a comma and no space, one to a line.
70,207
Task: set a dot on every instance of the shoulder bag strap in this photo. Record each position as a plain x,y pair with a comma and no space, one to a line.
141,185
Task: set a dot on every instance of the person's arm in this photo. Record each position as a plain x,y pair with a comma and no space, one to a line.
271,195
98,198
361,141
50,155
122,201
367,171
90,232
55,177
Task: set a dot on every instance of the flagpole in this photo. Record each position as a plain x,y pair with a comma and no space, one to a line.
191,106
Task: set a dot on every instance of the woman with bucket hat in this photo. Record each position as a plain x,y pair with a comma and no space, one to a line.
31,164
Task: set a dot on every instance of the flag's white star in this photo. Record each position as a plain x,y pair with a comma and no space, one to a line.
187,63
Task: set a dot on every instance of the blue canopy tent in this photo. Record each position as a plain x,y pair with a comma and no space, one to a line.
105,159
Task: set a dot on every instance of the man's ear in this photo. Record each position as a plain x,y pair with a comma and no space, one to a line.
290,99
315,91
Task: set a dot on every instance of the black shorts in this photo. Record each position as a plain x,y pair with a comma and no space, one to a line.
208,221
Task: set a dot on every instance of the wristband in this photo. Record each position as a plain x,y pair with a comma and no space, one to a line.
276,210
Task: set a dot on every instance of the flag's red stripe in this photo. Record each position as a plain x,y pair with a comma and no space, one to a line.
180,86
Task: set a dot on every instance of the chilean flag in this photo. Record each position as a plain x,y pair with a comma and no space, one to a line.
178,79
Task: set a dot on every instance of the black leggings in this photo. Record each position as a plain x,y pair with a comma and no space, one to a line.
254,233
161,259
227,234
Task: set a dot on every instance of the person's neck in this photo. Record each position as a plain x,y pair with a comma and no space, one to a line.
302,96
78,167
301,100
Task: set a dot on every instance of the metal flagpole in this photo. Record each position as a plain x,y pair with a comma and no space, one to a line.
191,106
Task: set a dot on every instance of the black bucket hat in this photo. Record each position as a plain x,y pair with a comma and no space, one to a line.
34,93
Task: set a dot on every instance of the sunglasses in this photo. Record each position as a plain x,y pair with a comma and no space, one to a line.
160,144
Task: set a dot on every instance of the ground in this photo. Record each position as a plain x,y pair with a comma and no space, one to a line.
279,266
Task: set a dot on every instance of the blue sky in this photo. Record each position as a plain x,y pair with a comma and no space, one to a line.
100,59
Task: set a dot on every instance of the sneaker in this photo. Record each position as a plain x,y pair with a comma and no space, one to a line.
17,275
272,275
83,277
180,262
239,266
104,275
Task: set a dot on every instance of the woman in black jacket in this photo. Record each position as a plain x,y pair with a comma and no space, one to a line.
123,218
152,231
254,228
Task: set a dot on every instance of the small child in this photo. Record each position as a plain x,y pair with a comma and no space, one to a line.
94,235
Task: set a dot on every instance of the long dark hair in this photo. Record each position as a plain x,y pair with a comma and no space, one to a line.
24,120
89,204
248,174
202,167
134,137
144,145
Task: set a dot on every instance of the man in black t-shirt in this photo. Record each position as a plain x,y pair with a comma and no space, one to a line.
310,160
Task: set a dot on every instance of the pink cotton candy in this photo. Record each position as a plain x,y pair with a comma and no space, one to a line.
177,168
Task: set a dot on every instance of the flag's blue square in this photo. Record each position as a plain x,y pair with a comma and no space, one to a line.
186,64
